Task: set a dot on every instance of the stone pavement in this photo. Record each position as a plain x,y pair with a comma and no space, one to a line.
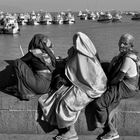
49,137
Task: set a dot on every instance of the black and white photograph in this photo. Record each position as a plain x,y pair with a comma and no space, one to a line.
70,70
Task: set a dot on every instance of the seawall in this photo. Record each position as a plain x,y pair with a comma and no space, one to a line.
21,117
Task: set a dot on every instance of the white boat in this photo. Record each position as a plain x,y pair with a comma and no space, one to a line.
9,31
22,19
10,27
58,19
80,13
116,18
105,17
68,19
84,16
33,20
45,19
91,16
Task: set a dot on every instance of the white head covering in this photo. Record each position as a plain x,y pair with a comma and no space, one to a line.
84,69
85,45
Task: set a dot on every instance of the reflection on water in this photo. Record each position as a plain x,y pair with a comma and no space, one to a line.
105,37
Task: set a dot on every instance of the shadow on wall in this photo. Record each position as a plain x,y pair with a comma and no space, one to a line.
44,124
7,77
8,85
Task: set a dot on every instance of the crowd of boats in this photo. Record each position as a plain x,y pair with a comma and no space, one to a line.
10,22
107,16
100,16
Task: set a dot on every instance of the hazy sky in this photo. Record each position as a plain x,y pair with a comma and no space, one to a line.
63,5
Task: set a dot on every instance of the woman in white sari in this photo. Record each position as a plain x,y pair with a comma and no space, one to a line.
88,81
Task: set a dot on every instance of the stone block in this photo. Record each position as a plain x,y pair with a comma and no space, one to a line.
20,117
127,123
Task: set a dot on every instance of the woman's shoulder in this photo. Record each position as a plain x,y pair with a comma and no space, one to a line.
132,56
129,61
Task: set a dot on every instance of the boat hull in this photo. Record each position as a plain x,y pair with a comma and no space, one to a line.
135,18
104,20
10,31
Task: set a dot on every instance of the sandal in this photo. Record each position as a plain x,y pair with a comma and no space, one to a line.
64,138
110,136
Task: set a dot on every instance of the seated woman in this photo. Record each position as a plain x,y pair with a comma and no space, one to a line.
85,80
123,80
33,72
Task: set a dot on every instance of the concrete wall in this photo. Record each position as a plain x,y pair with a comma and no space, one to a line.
20,117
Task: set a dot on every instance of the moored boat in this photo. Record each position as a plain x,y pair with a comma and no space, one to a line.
84,16
22,19
33,19
80,13
45,19
10,26
58,19
68,18
91,16
136,16
9,31
105,17
116,18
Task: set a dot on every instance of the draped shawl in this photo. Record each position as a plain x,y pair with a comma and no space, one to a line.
83,69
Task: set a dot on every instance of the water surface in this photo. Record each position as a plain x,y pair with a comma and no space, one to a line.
105,37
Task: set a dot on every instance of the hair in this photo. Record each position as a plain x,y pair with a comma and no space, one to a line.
131,39
128,37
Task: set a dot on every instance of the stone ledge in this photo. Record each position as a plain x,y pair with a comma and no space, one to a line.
50,137
127,118
20,117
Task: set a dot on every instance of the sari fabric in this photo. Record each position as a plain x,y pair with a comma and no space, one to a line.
84,69
34,73
125,89
88,82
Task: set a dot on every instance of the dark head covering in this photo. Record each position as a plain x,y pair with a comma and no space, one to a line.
42,42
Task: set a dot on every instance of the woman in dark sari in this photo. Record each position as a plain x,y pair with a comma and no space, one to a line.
34,70
123,80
